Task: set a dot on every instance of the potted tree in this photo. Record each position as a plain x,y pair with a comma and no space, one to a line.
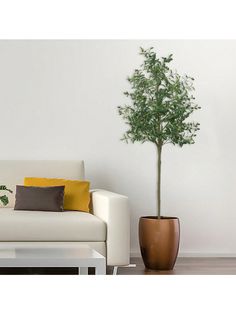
161,103
4,198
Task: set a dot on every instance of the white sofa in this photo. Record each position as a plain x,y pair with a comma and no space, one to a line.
106,228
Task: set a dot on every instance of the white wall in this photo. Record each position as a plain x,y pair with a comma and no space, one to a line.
58,100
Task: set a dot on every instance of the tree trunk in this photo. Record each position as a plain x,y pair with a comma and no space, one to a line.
159,149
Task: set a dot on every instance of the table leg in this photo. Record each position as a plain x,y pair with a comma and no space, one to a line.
83,270
100,269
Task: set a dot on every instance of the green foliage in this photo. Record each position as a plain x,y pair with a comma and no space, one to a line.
161,103
4,198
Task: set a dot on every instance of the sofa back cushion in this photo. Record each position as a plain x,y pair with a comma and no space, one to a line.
39,198
13,172
76,196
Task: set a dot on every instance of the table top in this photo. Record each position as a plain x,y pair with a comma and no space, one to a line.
49,256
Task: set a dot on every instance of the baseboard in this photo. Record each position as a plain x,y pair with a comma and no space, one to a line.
207,254
194,254
135,254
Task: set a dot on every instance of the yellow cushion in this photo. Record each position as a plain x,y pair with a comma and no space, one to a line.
76,192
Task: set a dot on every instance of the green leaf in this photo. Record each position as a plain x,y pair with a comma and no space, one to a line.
4,200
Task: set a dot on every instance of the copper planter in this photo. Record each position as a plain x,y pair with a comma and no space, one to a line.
159,241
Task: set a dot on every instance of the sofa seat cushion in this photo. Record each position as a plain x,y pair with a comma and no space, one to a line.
50,226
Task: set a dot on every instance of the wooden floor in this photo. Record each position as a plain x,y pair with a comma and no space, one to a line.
184,266
187,266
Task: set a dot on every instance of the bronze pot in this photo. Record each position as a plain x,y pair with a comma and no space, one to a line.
159,241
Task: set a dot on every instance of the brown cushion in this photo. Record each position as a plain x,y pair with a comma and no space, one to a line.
39,198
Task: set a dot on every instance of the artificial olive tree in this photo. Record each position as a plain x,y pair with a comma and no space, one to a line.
161,103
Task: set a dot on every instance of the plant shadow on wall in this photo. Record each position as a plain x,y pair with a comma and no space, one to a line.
3,198
161,103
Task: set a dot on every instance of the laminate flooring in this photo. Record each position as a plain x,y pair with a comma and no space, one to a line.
184,266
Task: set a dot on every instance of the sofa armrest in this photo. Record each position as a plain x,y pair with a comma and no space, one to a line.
113,209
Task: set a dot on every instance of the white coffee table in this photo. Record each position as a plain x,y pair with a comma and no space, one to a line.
78,256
